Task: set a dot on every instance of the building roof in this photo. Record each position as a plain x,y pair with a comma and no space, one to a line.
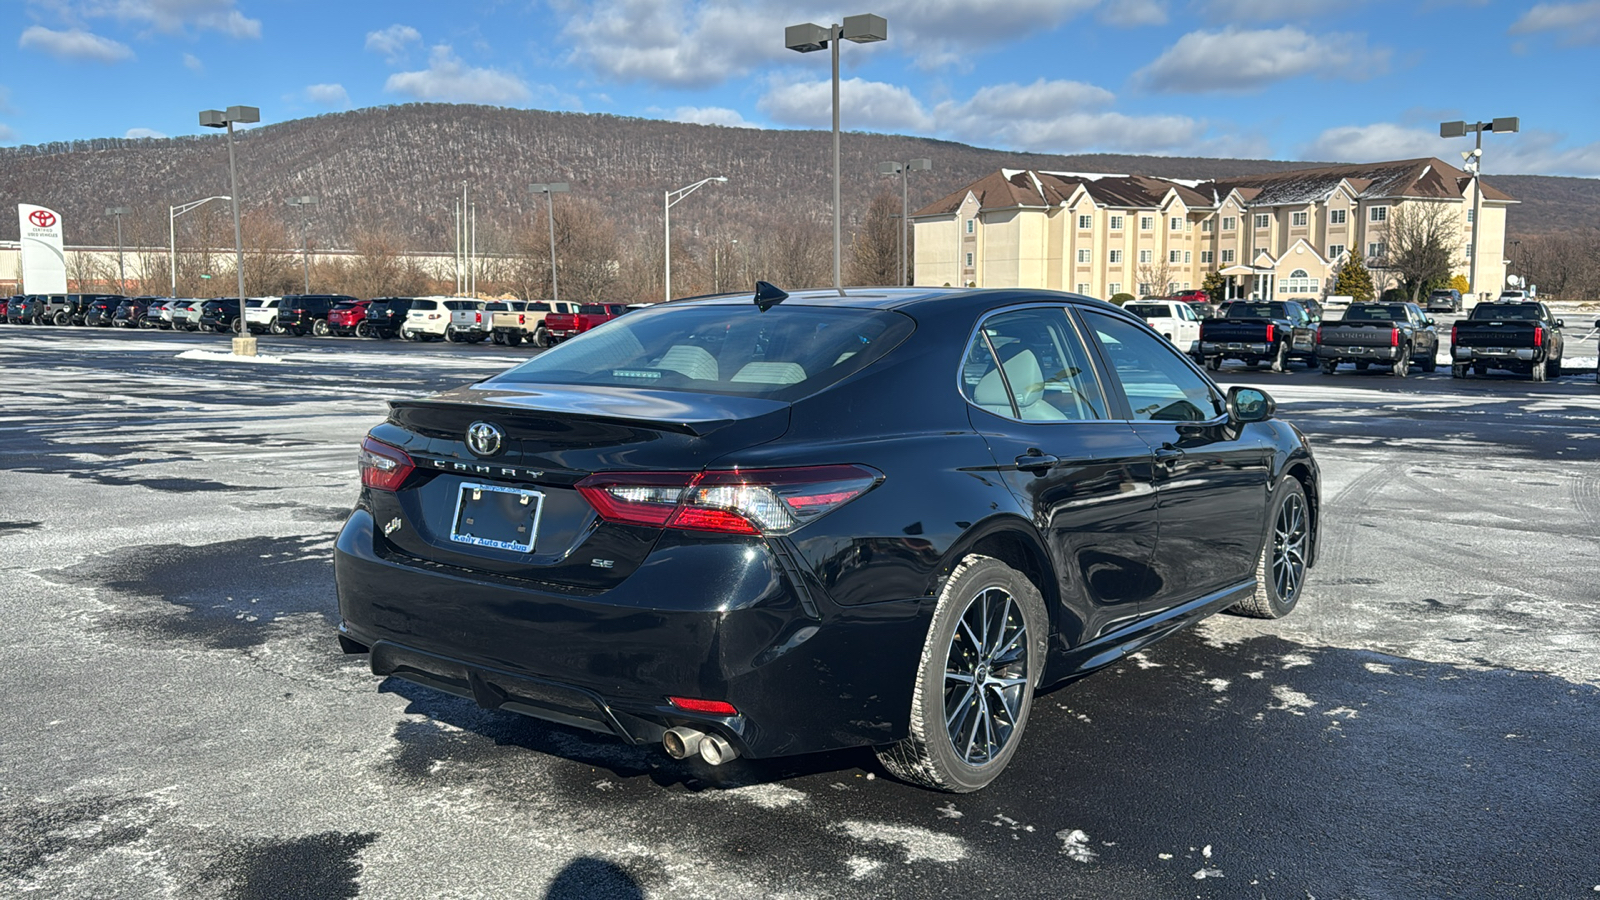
1013,188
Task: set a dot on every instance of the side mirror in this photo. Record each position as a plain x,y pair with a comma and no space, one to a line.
1561,323
1247,404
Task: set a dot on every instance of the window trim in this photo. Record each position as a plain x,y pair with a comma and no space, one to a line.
1115,405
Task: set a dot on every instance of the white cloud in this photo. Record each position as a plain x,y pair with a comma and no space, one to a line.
74,44
450,80
193,64
393,42
1060,116
143,133
1579,23
1133,13
863,106
1273,10
1239,61
333,95
1527,153
176,16
710,115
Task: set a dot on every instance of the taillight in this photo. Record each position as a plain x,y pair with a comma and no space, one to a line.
1270,331
1538,336
479,317
383,467
714,707
1394,337
522,320
1453,330
753,502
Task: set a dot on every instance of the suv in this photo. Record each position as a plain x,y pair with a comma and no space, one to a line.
57,309
1446,299
221,314
308,313
385,315
262,314
345,319
99,309
132,311
186,314
452,318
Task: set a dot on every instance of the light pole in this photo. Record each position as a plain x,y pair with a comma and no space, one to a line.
904,170
173,212
122,273
670,200
550,191
1474,165
244,344
808,37
305,235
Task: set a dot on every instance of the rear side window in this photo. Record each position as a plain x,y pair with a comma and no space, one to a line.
1031,365
783,354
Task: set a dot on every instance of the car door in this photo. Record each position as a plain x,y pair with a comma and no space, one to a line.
1084,477
1211,478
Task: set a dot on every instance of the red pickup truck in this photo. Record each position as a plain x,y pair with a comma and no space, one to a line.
564,325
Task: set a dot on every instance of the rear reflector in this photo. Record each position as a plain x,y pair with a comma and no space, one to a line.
713,707
751,501
383,467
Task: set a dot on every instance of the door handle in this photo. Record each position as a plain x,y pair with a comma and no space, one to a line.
1168,455
1036,461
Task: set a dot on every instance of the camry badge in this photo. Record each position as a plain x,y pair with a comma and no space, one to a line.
485,438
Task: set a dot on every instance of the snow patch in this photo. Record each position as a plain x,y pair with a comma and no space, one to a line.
919,844
214,356
949,811
1219,684
1207,873
1343,712
1291,700
1378,668
1142,661
1075,845
766,796
1295,660
860,867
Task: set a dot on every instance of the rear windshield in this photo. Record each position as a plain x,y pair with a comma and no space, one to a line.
538,307
1450,294
463,304
1148,310
783,354
1255,310
599,309
1375,312
1501,312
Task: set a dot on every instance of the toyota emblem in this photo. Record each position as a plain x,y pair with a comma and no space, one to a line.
42,218
485,438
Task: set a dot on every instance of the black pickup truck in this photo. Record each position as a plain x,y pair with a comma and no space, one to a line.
1397,335
1258,331
1520,336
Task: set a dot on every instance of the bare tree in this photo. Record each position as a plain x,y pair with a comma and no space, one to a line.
798,255
875,251
269,264
1422,241
1154,276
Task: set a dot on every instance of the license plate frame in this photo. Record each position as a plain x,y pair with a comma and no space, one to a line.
469,500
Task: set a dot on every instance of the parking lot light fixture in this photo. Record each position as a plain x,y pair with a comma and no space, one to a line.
903,170
305,242
173,212
550,191
1473,160
244,344
122,273
670,200
809,37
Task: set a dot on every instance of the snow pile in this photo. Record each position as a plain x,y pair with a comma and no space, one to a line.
213,356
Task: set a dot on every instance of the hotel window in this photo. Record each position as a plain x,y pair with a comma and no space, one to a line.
1083,256
1335,251
1263,220
1188,256
1174,256
1377,250
1298,283
1146,223
1227,257
1469,253
1298,218
1085,222
969,260
1336,217
1116,223
1114,287
1207,226
1144,256
1172,287
1175,223
1186,285
1083,287
1378,214
1230,223
1144,289
1207,257
1115,257
969,226
1470,216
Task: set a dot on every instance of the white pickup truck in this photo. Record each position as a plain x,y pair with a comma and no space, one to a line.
1174,320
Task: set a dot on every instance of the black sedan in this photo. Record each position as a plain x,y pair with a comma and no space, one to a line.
816,521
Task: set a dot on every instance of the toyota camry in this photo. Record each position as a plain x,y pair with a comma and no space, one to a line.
739,526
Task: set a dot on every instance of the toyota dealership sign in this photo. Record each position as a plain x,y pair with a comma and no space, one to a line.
44,258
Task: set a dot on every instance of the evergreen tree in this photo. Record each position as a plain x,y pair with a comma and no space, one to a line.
1215,285
1354,280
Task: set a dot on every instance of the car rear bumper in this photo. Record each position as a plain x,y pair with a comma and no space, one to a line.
1378,354
1519,354
1226,348
714,620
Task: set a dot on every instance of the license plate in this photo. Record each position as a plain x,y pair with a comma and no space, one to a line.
1355,351
489,515
1235,346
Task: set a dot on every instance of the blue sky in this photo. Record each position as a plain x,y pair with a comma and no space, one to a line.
1347,80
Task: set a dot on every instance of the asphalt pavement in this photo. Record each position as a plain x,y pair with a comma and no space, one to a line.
179,721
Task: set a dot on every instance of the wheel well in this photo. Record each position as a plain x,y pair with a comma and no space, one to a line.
1026,557
1302,473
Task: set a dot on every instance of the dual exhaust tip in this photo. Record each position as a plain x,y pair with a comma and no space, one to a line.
682,743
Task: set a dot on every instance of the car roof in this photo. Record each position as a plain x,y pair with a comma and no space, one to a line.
907,299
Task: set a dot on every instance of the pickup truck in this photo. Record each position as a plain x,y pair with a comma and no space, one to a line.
1258,331
508,321
1174,320
1520,336
561,326
454,319
1389,334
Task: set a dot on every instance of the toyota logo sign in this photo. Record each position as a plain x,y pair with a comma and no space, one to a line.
485,438
42,218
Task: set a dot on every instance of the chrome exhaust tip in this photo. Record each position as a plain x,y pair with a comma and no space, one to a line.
681,742
715,750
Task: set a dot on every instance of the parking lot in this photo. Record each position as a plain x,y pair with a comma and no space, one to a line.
180,721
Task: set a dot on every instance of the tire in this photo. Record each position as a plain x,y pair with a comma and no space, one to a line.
451,335
930,755
1330,366
541,338
1552,368
1537,371
1214,363
1402,366
276,327
363,330
513,339
1281,569
1431,363
500,338
319,328
1280,359
62,318
1458,371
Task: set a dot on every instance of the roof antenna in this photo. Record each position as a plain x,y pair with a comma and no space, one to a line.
769,295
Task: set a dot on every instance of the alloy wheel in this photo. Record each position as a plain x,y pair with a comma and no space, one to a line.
1289,547
986,676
